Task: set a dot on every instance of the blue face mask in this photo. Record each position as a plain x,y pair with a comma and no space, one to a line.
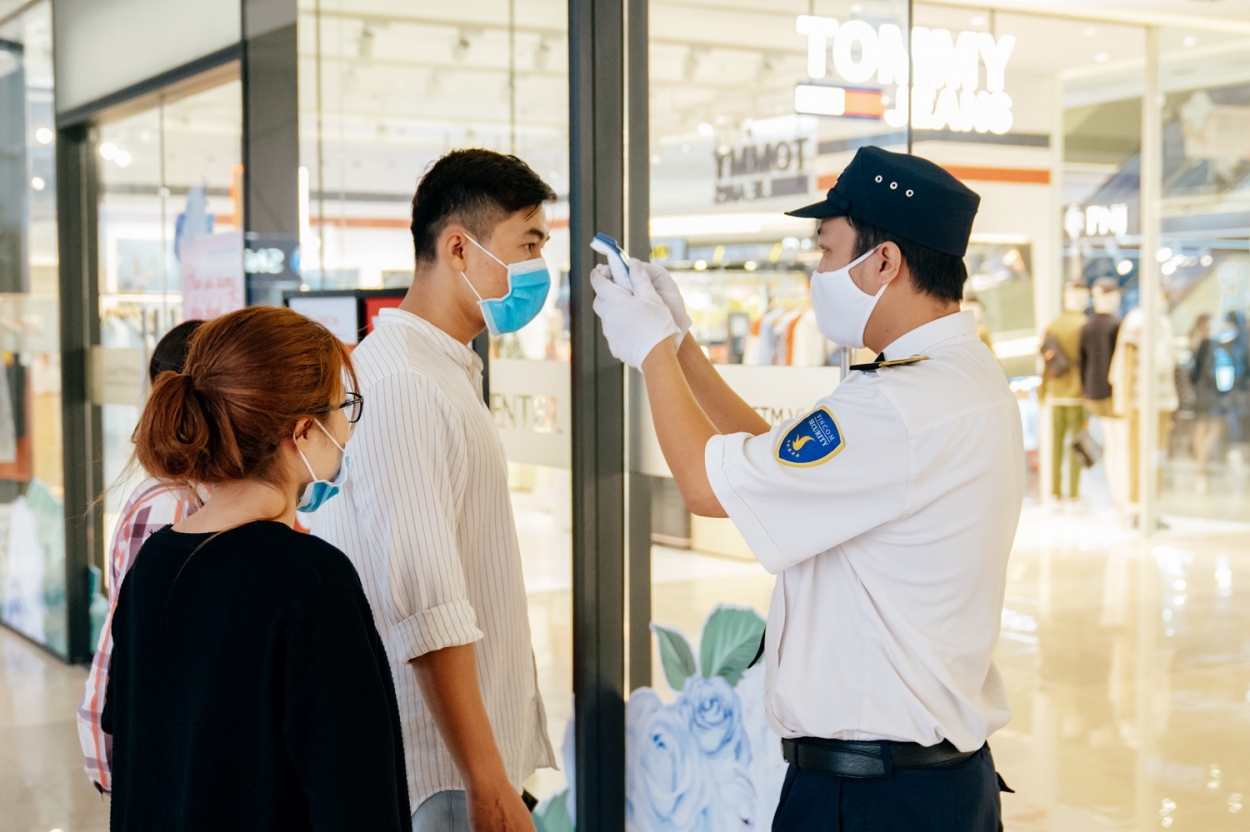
317,492
528,284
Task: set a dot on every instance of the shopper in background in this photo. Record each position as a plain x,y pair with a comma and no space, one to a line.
1204,375
887,511
1061,389
152,506
249,689
426,516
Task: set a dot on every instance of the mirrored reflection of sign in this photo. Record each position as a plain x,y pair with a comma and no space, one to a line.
948,92
337,314
212,276
776,393
1097,220
773,158
117,375
530,402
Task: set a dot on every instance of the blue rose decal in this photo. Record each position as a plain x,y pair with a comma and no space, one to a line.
666,786
715,715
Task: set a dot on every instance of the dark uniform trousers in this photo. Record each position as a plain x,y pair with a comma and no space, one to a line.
959,796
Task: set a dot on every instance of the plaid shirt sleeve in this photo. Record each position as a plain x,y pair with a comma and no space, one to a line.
152,507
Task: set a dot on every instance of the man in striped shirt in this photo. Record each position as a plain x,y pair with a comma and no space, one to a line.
153,506
425,514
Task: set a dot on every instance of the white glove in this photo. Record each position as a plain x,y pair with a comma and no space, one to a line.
667,289
633,322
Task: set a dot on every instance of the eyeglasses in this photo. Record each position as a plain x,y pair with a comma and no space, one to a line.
355,407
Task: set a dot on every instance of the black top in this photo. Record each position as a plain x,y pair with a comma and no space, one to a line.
249,690
1097,346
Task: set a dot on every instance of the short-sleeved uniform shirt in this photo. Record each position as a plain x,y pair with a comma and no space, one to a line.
426,518
888,513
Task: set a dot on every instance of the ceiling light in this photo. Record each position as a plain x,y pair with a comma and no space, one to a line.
1164,254
1091,31
1124,267
750,265
700,265
44,135
1102,57
1207,260
1189,41
706,129
979,20
38,183
122,158
108,150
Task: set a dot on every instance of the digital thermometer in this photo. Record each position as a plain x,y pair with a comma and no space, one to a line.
618,260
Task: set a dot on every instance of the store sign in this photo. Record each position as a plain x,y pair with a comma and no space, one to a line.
947,94
1096,220
761,171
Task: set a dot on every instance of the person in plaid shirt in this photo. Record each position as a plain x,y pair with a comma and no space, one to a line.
152,506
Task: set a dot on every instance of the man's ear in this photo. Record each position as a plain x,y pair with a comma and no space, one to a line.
453,243
891,262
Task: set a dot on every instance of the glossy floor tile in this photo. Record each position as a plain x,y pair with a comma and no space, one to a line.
42,784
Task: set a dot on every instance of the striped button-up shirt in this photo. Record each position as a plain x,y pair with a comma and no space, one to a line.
154,505
426,517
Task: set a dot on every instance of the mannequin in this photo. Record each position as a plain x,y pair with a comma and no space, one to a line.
1098,338
1128,398
1064,391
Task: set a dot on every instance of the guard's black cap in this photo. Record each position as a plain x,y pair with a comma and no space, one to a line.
903,195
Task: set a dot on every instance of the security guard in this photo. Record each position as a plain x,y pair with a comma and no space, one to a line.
887,511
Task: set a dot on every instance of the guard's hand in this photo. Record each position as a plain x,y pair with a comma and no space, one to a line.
667,289
633,322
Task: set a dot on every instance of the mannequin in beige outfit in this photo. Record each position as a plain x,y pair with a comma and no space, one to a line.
1127,396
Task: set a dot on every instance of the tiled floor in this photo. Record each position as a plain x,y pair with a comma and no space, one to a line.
1127,662
42,785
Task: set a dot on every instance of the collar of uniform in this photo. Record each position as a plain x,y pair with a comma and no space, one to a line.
441,341
923,338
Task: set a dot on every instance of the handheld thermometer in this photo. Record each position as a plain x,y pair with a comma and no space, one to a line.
618,260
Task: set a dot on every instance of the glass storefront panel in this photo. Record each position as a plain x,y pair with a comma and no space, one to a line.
1204,263
170,179
384,92
32,536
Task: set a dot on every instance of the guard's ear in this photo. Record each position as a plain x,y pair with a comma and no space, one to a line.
891,262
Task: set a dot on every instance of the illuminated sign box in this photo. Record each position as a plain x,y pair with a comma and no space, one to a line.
826,100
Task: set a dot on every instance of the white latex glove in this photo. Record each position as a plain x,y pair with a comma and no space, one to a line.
633,322
667,289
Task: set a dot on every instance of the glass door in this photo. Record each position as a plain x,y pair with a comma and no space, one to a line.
169,212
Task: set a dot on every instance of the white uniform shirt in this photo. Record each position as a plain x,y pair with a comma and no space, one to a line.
426,518
889,530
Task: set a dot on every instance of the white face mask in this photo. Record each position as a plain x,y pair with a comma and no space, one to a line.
842,308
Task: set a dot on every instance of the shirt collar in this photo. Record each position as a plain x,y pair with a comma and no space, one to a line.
435,337
960,325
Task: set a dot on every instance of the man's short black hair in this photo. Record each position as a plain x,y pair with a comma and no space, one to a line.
935,274
476,188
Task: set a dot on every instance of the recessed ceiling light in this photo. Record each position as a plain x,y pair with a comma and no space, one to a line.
44,135
706,129
1102,57
979,20
1091,31
38,183
1189,41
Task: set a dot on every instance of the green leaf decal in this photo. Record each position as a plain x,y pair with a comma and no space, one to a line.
731,637
552,815
675,655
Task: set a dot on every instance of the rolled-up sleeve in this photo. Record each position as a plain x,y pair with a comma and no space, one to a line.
407,476
791,505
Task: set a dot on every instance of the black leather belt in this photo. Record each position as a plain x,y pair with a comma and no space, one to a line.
866,759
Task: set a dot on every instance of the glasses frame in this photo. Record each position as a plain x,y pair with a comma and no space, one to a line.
354,401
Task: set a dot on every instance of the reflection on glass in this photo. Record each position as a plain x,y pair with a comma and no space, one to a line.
169,209
32,542
382,96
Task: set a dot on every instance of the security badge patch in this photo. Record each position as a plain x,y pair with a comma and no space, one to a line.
814,439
